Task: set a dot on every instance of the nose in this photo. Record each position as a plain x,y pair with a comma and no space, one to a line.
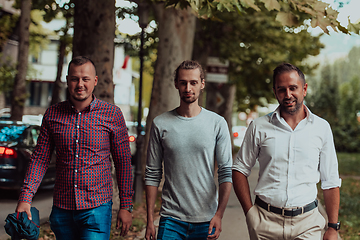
288,93
187,87
80,83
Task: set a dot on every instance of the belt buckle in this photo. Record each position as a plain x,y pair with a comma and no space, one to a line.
283,212
302,210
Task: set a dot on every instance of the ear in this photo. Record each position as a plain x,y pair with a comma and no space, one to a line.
96,80
305,89
202,84
176,85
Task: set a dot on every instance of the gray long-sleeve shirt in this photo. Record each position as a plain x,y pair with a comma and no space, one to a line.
188,148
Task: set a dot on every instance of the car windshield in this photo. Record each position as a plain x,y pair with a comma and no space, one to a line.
11,133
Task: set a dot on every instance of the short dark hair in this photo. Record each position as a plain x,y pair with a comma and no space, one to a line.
189,64
287,67
80,60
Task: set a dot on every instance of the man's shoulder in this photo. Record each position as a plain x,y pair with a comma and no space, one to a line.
211,113
164,116
105,108
61,106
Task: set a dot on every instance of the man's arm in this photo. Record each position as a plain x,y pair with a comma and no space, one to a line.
36,170
332,202
224,193
151,192
242,190
120,151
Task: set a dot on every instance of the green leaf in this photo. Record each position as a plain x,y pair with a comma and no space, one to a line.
272,5
321,21
250,3
320,6
354,27
287,19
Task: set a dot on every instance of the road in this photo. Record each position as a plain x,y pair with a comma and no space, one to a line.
8,201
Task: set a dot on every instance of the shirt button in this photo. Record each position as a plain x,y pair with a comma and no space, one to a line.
77,140
76,155
75,185
76,170
79,113
77,126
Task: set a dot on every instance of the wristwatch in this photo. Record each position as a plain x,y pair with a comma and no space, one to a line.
335,226
130,209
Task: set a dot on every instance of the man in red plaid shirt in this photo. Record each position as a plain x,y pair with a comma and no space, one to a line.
84,131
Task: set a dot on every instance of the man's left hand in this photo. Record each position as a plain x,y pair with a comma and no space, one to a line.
330,234
215,223
124,219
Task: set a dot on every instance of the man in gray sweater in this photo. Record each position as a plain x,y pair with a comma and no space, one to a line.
186,142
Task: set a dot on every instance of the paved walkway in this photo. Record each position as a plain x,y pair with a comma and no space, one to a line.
234,223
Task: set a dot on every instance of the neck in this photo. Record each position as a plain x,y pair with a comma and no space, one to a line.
189,110
294,119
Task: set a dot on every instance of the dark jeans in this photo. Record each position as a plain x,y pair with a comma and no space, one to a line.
173,229
91,224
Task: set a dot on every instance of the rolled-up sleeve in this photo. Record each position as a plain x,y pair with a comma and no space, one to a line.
329,173
247,155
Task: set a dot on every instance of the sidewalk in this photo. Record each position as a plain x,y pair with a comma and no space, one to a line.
234,222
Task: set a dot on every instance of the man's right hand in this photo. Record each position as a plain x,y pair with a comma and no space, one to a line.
24,207
150,231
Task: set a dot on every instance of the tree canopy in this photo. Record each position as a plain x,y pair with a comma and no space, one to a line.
290,13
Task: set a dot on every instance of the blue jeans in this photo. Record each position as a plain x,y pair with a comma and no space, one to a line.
173,229
91,224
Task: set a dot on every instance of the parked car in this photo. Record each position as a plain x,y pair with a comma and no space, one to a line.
132,131
17,143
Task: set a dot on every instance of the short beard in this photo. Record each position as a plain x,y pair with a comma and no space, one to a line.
292,111
188,100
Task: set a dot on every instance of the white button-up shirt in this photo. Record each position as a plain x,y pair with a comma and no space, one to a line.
291,161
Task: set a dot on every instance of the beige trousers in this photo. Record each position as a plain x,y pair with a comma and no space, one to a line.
271,226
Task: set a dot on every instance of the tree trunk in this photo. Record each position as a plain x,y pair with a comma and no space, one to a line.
19,92
220,99
176,38
94,33
57,86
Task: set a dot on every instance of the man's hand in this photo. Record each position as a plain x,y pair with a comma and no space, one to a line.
330,234
24,207
150,231
215,223
124,217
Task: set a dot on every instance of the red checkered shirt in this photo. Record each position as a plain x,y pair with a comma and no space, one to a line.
83,142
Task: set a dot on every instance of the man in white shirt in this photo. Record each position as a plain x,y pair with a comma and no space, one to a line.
295,149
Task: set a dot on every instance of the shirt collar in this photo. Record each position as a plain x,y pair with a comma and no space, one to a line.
276,114
91,107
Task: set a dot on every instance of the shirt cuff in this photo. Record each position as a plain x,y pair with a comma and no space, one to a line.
330,184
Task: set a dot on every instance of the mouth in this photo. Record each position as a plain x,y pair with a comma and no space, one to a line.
289,103
79,91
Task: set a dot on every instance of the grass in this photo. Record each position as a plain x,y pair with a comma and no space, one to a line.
349,195
349,164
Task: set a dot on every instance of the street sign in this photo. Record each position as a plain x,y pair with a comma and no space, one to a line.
217,71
